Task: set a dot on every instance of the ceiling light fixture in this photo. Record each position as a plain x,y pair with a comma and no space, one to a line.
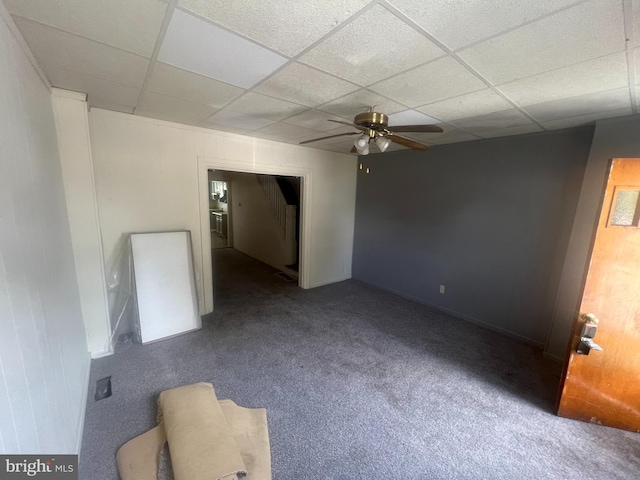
382,143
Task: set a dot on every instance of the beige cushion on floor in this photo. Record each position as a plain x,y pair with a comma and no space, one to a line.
208,439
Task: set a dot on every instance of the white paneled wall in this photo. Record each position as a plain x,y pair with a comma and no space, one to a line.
255,230
44,363
152,176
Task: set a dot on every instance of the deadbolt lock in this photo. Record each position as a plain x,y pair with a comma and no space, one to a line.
589,330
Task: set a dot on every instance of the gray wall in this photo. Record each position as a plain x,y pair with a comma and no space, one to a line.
613,138
44,363
490,219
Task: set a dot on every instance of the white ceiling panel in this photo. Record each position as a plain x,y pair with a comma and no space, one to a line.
77,54
471,104
617,99
493,121
131,26
434,81
222,128
114,107
175,82
411,117
282,130
172,109
458,23
288,27
241,66
238,120
315,120
335,131
198,46
451,134
350,105
508,131
346,55
635,19
265,107
304,85
605,73
98,91
584,119
583,32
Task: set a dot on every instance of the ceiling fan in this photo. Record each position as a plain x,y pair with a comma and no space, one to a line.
374,126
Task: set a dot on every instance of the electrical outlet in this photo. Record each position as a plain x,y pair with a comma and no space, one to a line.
442,289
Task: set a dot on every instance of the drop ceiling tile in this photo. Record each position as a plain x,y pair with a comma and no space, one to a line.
635,19
223,128
605,73
461,23
131,26
493,121
434,81
411,117
238,120
98,91
471,104
304,85
585,119
265,107
397,47
350,105
582,105
583,32
175,82
172,109
315,120
335,131
281,131
516,130
451,134
287,27
63,50
198,46
111,106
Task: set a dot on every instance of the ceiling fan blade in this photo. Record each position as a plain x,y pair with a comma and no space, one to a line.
347,123
329,136
417,128
407,142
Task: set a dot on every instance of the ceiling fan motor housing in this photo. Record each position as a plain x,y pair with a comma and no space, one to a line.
373,120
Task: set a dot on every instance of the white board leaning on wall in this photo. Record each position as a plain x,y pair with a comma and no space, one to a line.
165,284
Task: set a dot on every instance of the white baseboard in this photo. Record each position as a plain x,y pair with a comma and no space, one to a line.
101,353
83,410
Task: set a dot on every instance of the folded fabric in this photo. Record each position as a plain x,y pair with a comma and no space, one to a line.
208,439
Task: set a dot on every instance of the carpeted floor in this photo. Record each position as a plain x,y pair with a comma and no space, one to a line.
358,384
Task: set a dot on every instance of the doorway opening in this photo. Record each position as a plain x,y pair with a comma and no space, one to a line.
258,215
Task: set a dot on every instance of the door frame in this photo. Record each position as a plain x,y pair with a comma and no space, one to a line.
306,214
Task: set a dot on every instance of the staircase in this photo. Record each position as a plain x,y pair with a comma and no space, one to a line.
284,214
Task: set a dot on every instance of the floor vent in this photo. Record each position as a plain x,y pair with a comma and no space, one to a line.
103,388
285,277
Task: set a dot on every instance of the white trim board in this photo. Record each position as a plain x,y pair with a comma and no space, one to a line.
306,214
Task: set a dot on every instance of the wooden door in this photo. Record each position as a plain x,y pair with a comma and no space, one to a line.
604,386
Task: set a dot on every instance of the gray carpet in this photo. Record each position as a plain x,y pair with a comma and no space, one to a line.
358,384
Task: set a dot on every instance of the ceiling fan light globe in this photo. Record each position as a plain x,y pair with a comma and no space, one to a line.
383,143
365,150
362,141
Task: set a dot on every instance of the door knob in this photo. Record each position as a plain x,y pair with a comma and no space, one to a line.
589,330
